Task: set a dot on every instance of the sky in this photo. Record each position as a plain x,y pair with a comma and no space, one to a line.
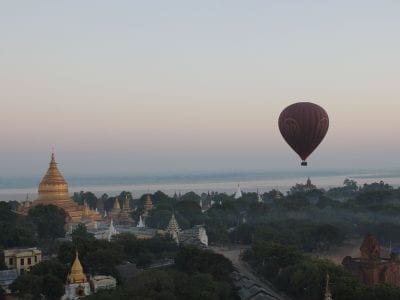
134,87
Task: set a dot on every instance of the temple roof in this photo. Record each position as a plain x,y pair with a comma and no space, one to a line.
173,225
53,175
77,275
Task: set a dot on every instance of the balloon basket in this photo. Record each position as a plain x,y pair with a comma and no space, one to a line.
304,163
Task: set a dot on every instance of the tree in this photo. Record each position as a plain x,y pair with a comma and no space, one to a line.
350,184
52,287
51,267
15,230
80,232
27,284
49,221
190,196
151,284
159,218
191,211
192,260
2,294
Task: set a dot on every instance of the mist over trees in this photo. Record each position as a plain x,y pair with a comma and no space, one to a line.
285,233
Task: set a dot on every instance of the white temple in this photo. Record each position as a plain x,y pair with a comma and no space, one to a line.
238,193
141,223
173,229
111,230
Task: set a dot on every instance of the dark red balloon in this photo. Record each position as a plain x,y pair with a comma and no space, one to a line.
303,125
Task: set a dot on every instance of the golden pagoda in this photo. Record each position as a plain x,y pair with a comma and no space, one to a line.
76,275
124,216
53,189
77,284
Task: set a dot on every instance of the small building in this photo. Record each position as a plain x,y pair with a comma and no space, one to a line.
22,259
102,282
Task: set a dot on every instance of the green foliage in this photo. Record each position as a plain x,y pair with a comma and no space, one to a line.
2,262
27,284
2,294
51,267
48,285
242,234
117,294
200,275
143,252
15,230
269,257
159,218
152,284
192,260
190,196
52,287
191,211
82,196
49,221
96,256
80,232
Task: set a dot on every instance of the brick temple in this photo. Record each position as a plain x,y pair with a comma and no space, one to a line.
371,268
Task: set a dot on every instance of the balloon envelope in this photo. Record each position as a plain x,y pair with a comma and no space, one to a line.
303,125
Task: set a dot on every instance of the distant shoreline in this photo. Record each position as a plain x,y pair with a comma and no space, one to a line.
18,187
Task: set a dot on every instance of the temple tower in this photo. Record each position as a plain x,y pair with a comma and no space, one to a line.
173,228
77,284
53,189
147,205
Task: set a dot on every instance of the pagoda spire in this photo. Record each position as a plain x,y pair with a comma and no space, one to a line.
76,275
141,223
238,193
328,295
116,204
53,175
259,197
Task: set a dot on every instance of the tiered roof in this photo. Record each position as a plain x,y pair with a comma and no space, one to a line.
173,225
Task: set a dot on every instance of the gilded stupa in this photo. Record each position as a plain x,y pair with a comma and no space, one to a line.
53,189
76,275
77,284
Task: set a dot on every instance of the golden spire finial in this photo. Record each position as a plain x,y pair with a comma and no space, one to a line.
53,157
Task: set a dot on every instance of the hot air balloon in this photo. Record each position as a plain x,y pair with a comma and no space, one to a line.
303,125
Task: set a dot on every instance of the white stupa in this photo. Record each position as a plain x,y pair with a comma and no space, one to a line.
259,197
141,223
328,295
238,193
111,231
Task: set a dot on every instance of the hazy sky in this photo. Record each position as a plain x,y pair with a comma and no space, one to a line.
166,86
